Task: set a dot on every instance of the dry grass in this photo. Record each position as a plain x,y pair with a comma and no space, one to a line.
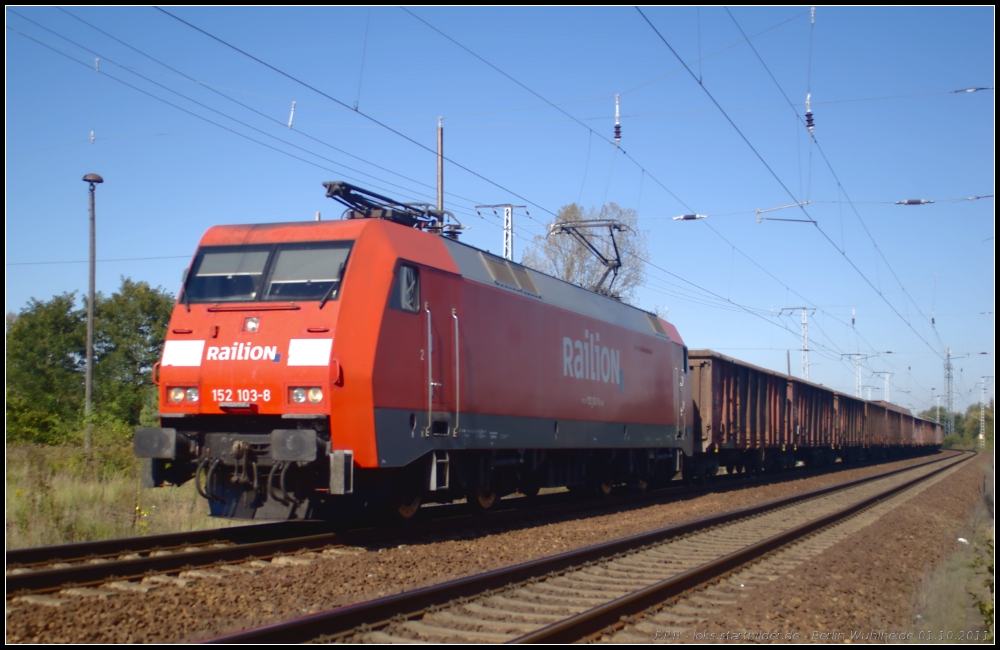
948,605
54,496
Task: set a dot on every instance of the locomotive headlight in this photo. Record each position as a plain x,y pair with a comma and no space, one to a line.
299,395
176,394
191,394
315,395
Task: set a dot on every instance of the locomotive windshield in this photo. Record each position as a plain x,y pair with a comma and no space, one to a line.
301,271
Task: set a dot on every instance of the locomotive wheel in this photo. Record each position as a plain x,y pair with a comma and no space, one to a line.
482,500
406,510
405,504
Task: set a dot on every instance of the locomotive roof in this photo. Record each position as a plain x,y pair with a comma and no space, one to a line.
482,266
472,263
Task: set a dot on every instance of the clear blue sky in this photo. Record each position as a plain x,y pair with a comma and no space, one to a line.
886,120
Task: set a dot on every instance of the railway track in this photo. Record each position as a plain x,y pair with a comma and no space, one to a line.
580,594
24,560
46,570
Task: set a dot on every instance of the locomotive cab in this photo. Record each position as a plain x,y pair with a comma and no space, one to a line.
247,370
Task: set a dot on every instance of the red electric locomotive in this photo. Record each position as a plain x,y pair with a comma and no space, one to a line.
316,368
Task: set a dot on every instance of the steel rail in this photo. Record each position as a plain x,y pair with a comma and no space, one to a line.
595,620
365,616
248,543
90,574
26,557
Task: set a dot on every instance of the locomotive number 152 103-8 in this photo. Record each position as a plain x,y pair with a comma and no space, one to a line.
241,395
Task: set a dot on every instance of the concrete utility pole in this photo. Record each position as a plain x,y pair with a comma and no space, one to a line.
440,176
805,337
88,443
949,394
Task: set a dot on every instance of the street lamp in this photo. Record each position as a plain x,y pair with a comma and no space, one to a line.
88,446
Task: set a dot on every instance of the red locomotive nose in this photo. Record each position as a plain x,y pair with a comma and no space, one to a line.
255,319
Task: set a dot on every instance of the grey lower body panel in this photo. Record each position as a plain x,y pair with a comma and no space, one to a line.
399,442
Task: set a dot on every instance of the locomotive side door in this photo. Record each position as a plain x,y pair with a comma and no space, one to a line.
441,322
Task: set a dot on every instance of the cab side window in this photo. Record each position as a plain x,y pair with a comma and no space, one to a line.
406,289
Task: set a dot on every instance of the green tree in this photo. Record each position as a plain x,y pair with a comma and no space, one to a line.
128,339
966,433
46,359
46,348
969,431
564,257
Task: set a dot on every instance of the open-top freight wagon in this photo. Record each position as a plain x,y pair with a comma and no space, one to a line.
749,418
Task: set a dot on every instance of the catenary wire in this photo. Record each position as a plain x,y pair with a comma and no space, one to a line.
250,108
829,165
307,161
358,112
780,182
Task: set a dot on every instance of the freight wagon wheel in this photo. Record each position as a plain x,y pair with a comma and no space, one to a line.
530,491
482,500
730,469
711,469
604,489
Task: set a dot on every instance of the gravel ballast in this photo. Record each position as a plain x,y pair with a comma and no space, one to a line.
269,592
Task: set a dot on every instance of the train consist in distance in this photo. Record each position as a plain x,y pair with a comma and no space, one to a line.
317,369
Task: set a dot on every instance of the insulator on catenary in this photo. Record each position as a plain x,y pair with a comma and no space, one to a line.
809,114
618,126
914,202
